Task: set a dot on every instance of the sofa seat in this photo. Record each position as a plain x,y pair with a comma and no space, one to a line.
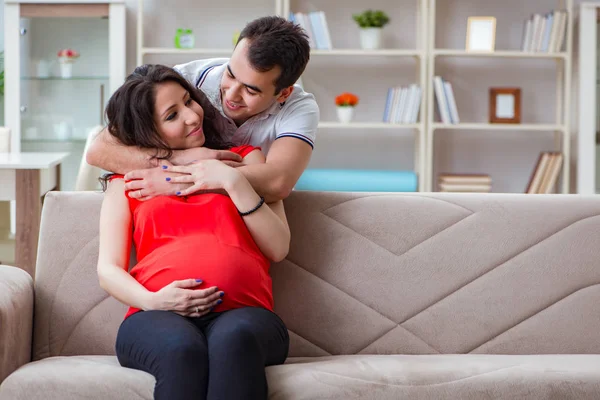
338,377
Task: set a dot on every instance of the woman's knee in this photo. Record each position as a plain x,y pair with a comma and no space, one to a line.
166,342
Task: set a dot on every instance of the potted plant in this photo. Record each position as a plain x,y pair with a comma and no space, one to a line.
67,57
345,103
371,24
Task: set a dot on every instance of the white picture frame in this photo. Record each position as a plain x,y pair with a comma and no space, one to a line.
481,34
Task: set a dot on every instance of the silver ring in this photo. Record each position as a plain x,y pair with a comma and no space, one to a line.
197,310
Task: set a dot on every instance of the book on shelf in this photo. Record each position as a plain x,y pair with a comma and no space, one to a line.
545,173
464,183
545,33
316,28
402,105
445,101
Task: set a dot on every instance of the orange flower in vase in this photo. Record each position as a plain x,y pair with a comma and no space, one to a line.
67,57
345,103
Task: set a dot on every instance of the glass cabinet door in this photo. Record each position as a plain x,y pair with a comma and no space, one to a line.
62,98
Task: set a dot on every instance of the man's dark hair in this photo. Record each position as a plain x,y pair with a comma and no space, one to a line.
274,41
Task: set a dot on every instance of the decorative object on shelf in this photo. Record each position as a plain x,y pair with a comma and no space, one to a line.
371,24
236,37
505,105
446,103
545,173
545,32
481,34
44,68
357,180
481,183
1,73
184,39
63,130
402,105
4,139
345,103
66,58
315,25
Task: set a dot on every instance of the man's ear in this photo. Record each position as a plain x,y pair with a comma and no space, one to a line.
284,94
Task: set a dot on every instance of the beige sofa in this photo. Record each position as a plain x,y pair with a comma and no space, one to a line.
404,296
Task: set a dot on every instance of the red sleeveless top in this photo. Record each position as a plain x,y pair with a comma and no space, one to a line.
200,237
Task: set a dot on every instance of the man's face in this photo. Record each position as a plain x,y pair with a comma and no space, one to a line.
246,92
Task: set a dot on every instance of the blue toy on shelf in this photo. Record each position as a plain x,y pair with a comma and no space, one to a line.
348,180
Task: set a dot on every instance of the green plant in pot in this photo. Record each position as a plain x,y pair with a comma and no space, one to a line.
371,23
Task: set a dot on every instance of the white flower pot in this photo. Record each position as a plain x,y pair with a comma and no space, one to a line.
370,38
66,70
345,114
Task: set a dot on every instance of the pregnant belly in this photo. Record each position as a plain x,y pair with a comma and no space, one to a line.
242,275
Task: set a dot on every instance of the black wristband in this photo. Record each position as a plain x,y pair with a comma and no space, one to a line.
260,203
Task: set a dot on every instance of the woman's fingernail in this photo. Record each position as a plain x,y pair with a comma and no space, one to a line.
219,301
210,309
164,167
168,179
222,294
178,193
198,280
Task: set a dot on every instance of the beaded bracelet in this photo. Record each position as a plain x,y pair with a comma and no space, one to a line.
260,203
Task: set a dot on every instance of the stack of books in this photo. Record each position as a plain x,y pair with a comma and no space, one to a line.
545,174
402,105
545,33
464,183
446,104
315,26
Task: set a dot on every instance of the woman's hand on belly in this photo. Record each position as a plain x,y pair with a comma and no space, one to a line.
181,298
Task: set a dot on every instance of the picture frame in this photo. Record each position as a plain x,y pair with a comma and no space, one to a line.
481,34
505,105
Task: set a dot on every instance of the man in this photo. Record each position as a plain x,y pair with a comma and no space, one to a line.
255,90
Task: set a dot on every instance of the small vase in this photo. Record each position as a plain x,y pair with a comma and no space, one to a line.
66,67
66,70
345,114
370,38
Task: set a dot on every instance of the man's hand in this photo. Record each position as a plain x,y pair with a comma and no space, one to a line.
188,156
146,184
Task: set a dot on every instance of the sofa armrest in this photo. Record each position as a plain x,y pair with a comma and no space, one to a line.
16,319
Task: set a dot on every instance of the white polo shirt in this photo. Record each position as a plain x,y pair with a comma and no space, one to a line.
298,117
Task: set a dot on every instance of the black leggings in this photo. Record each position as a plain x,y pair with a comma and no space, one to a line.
217,356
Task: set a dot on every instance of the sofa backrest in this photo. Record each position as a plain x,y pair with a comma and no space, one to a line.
374,274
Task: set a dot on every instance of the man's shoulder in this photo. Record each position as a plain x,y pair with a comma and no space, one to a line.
299,102
196,71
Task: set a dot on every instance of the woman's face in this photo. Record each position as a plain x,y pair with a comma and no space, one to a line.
178,117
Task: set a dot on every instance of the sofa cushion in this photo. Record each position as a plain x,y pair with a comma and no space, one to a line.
374,377
426,377
77,377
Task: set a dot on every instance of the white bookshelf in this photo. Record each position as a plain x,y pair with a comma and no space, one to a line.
560,127
497,127
355,56
345,55
497,53
366,125
337,55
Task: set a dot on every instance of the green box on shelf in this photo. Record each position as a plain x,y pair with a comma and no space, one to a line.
184,39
